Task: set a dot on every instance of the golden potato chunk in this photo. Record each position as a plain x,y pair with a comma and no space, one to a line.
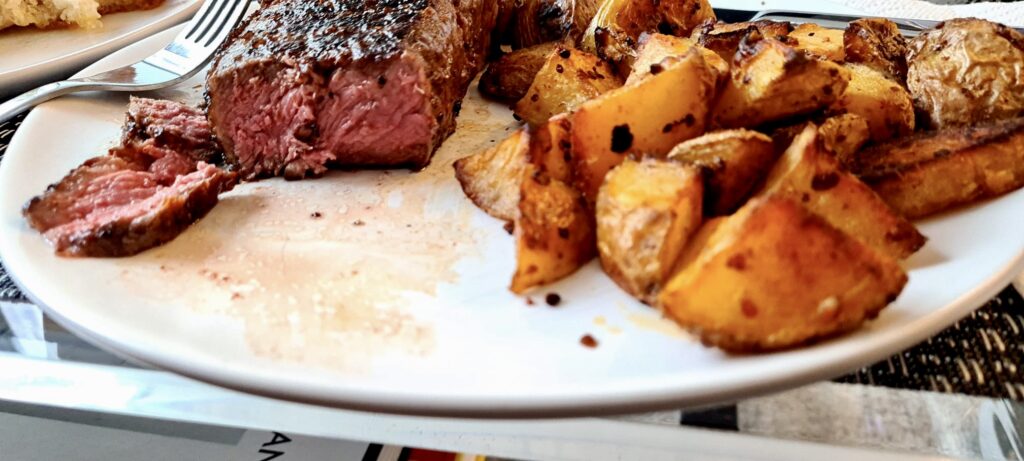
724,38
818,42
774,276
878,44
735,162
648,117
509,77
491,178
616,28
646,212
772,81
883,103
844,135
655,48
809,175
568,78
554,233
967,71
931,172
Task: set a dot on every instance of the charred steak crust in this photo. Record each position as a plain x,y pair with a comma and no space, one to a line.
302,84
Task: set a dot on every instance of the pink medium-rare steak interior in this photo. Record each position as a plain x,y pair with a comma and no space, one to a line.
369,115
267,126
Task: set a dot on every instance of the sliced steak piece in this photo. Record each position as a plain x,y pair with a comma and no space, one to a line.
141,195
306,83
157,123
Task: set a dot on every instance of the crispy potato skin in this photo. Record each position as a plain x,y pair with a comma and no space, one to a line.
932,172
491,178
624,121
735,162
844,135
509,77
525,23
568,78
878,44
646,212
616,28
655,48
772,81
554,232
818,42
725,38
774,276
967,71
882,102
806,173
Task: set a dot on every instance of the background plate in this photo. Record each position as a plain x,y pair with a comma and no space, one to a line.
31,57
394,299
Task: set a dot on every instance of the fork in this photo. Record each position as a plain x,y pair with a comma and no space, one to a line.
184,57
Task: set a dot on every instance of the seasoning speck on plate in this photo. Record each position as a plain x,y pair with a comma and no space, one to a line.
588,341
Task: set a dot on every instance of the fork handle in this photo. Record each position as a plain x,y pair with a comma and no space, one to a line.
40,95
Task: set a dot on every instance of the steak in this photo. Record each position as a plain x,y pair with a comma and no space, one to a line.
304,84
142,194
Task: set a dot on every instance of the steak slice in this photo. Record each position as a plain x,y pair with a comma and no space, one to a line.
307,83
161,124
141,195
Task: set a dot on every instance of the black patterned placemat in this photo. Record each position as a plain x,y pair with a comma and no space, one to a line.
979,355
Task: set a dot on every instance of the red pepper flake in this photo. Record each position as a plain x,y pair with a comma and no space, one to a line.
588,341
358,222
529,301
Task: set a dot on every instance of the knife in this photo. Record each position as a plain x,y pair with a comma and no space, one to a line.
910,27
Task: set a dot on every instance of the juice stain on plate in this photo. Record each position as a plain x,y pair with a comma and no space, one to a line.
652,320
322,272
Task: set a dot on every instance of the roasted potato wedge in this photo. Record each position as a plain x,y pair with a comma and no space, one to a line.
771,81
844,135
646,212
931,172
809,175
655,48
616,28
509,77
878,44
554,231
724,38
531,22
818,42
735,162
625,121
883,103
491,178
568,78
775,275
967,71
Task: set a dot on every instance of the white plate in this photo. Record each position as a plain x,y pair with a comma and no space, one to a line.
395,300
30,57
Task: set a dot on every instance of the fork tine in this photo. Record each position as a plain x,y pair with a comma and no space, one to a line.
218,18
202,15
225,25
